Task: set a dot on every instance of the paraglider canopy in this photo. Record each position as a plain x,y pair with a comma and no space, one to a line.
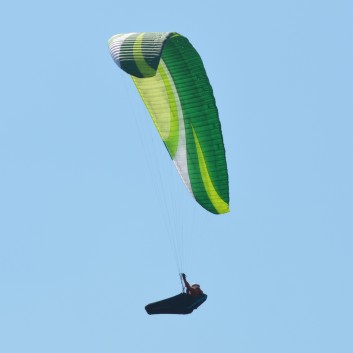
172,82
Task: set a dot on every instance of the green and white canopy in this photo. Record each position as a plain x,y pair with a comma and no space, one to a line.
172,81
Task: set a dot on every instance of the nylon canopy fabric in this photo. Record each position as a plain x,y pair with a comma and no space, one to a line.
172,81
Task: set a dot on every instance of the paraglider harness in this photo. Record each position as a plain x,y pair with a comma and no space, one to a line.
182,303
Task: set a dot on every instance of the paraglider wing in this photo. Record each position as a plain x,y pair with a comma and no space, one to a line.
172,81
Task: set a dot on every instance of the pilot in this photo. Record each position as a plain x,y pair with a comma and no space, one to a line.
193,290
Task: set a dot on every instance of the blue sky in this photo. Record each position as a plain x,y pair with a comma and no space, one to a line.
84,244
